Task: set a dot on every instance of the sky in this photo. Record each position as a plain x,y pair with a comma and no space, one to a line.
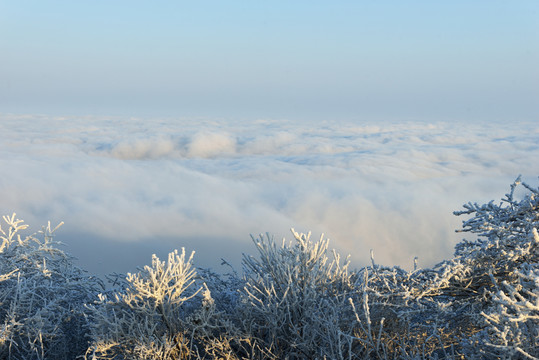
150,126
341,60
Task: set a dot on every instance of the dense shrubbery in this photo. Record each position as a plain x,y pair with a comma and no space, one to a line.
295,300
42,297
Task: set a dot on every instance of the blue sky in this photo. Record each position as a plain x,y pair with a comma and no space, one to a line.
279,59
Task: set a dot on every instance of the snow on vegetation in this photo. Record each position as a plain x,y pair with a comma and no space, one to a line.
293,300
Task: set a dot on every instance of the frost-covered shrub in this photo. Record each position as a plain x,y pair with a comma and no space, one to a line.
483,303
502,270
505,240
513,320
41,297
218,327
398,318
296,300
148,316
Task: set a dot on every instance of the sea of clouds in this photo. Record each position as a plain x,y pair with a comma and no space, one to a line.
129,187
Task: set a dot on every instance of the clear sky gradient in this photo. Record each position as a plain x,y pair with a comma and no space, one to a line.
272,59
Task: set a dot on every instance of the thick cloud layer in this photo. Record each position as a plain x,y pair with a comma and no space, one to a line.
127,188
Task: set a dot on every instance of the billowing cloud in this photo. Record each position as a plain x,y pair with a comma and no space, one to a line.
126,188
145,148
207,145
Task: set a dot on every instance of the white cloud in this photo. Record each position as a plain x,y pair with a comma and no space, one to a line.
208,145
146,148
139,183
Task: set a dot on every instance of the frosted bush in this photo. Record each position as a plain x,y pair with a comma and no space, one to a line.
480,304
505,235
398,315
503,268
218,326
296,300
513,330
41,297
146,318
